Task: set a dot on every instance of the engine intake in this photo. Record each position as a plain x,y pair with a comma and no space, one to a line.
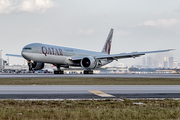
88,63
37,66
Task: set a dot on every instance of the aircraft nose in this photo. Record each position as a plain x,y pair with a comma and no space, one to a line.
25,55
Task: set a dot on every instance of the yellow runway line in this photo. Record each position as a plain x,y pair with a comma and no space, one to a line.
100,93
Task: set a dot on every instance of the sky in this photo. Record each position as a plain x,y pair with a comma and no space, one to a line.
139,25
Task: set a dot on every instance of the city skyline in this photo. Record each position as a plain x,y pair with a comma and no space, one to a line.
164,62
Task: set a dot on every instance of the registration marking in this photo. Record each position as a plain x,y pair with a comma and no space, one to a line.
100,93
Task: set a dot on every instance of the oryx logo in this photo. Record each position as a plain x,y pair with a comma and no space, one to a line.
108,45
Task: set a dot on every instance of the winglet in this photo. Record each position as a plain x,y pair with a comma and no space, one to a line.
171,49
107,46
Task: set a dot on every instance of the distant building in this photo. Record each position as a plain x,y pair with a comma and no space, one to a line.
156,64
16,67
159,65
171,62
120,65
149,61
175,64
165,62
144,61
178,64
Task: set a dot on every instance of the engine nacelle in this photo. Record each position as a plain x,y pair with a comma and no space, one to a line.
89,63
37,66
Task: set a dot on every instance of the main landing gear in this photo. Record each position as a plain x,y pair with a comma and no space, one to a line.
58,71
62,72
88,71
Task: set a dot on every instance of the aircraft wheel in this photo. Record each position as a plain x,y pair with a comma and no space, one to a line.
59,72
88,72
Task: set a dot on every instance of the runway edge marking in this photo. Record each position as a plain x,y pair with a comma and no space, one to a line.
100,93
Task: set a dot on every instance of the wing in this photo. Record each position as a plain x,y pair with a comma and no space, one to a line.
129,55
121,55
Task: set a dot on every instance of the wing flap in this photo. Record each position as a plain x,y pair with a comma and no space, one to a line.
119,56
129,55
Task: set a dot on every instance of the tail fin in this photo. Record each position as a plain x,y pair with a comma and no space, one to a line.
107,46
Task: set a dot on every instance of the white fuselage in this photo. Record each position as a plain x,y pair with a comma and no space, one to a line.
57,54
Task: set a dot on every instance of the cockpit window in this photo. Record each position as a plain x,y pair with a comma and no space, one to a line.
27,48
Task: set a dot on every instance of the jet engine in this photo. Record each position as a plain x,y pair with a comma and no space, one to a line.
88,63
35,66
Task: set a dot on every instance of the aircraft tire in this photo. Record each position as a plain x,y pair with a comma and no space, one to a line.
59,72
88,72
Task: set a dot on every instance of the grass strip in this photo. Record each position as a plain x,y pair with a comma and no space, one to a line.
90,110
90,81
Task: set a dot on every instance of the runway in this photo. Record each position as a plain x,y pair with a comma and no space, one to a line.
90,75
88,91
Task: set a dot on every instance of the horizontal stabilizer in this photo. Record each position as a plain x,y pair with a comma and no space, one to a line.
12,55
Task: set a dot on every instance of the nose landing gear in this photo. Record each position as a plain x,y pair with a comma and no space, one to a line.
29,65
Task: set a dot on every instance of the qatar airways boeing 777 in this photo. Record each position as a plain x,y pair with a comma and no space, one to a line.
37,54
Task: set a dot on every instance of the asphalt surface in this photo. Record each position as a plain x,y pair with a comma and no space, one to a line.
88,91
90,75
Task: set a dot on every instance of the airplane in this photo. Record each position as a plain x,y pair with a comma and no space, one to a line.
37,54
